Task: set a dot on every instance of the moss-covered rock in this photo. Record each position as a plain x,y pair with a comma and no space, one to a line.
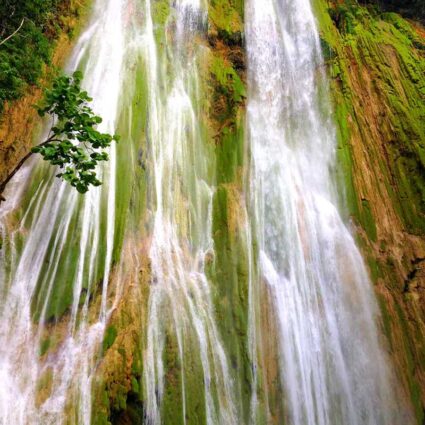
376,65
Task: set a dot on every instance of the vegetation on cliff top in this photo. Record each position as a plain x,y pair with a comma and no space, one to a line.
23,55
414,9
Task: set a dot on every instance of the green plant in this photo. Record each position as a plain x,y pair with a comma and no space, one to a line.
73,143
28,30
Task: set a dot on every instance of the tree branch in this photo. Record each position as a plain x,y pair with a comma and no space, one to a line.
19,165
13,33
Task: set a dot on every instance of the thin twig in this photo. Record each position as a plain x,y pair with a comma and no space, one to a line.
11,35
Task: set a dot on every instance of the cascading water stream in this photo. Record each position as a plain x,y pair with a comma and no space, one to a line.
180,304
61,256
51,261
65,243
332,367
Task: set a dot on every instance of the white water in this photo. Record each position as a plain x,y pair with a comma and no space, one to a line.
332,367
180,300
59,223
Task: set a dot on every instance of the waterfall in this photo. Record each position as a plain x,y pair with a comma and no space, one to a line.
180,309
53,315
64,257
50,262
332,367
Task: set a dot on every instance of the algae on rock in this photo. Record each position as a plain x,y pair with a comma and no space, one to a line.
376,64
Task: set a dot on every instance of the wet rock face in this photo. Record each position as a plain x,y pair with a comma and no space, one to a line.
376,66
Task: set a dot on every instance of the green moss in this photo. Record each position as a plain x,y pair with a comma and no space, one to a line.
160,11
172,401
230,154
130,200
229,275
374,268
162,15
344,159
194,386
135,387
350,30
228,269
109,337
228,79
101,419
44,346
414,386
386,319
59,297
228,94
367,220
227,15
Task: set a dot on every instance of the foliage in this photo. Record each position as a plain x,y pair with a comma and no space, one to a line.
414,9
22,56
74,143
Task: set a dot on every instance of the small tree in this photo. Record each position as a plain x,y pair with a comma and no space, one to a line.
73,143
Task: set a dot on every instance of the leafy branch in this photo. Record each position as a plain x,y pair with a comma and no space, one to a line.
74,144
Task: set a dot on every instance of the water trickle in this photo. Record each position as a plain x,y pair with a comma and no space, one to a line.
332,367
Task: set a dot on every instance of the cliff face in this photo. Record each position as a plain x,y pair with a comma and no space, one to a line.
376,64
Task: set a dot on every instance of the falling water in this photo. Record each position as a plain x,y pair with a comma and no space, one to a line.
332,367
50,262
61,252
180,303
64,243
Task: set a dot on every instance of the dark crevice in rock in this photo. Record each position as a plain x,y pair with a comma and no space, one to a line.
417,267
132,415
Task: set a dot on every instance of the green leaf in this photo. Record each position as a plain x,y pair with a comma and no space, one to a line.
74,132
